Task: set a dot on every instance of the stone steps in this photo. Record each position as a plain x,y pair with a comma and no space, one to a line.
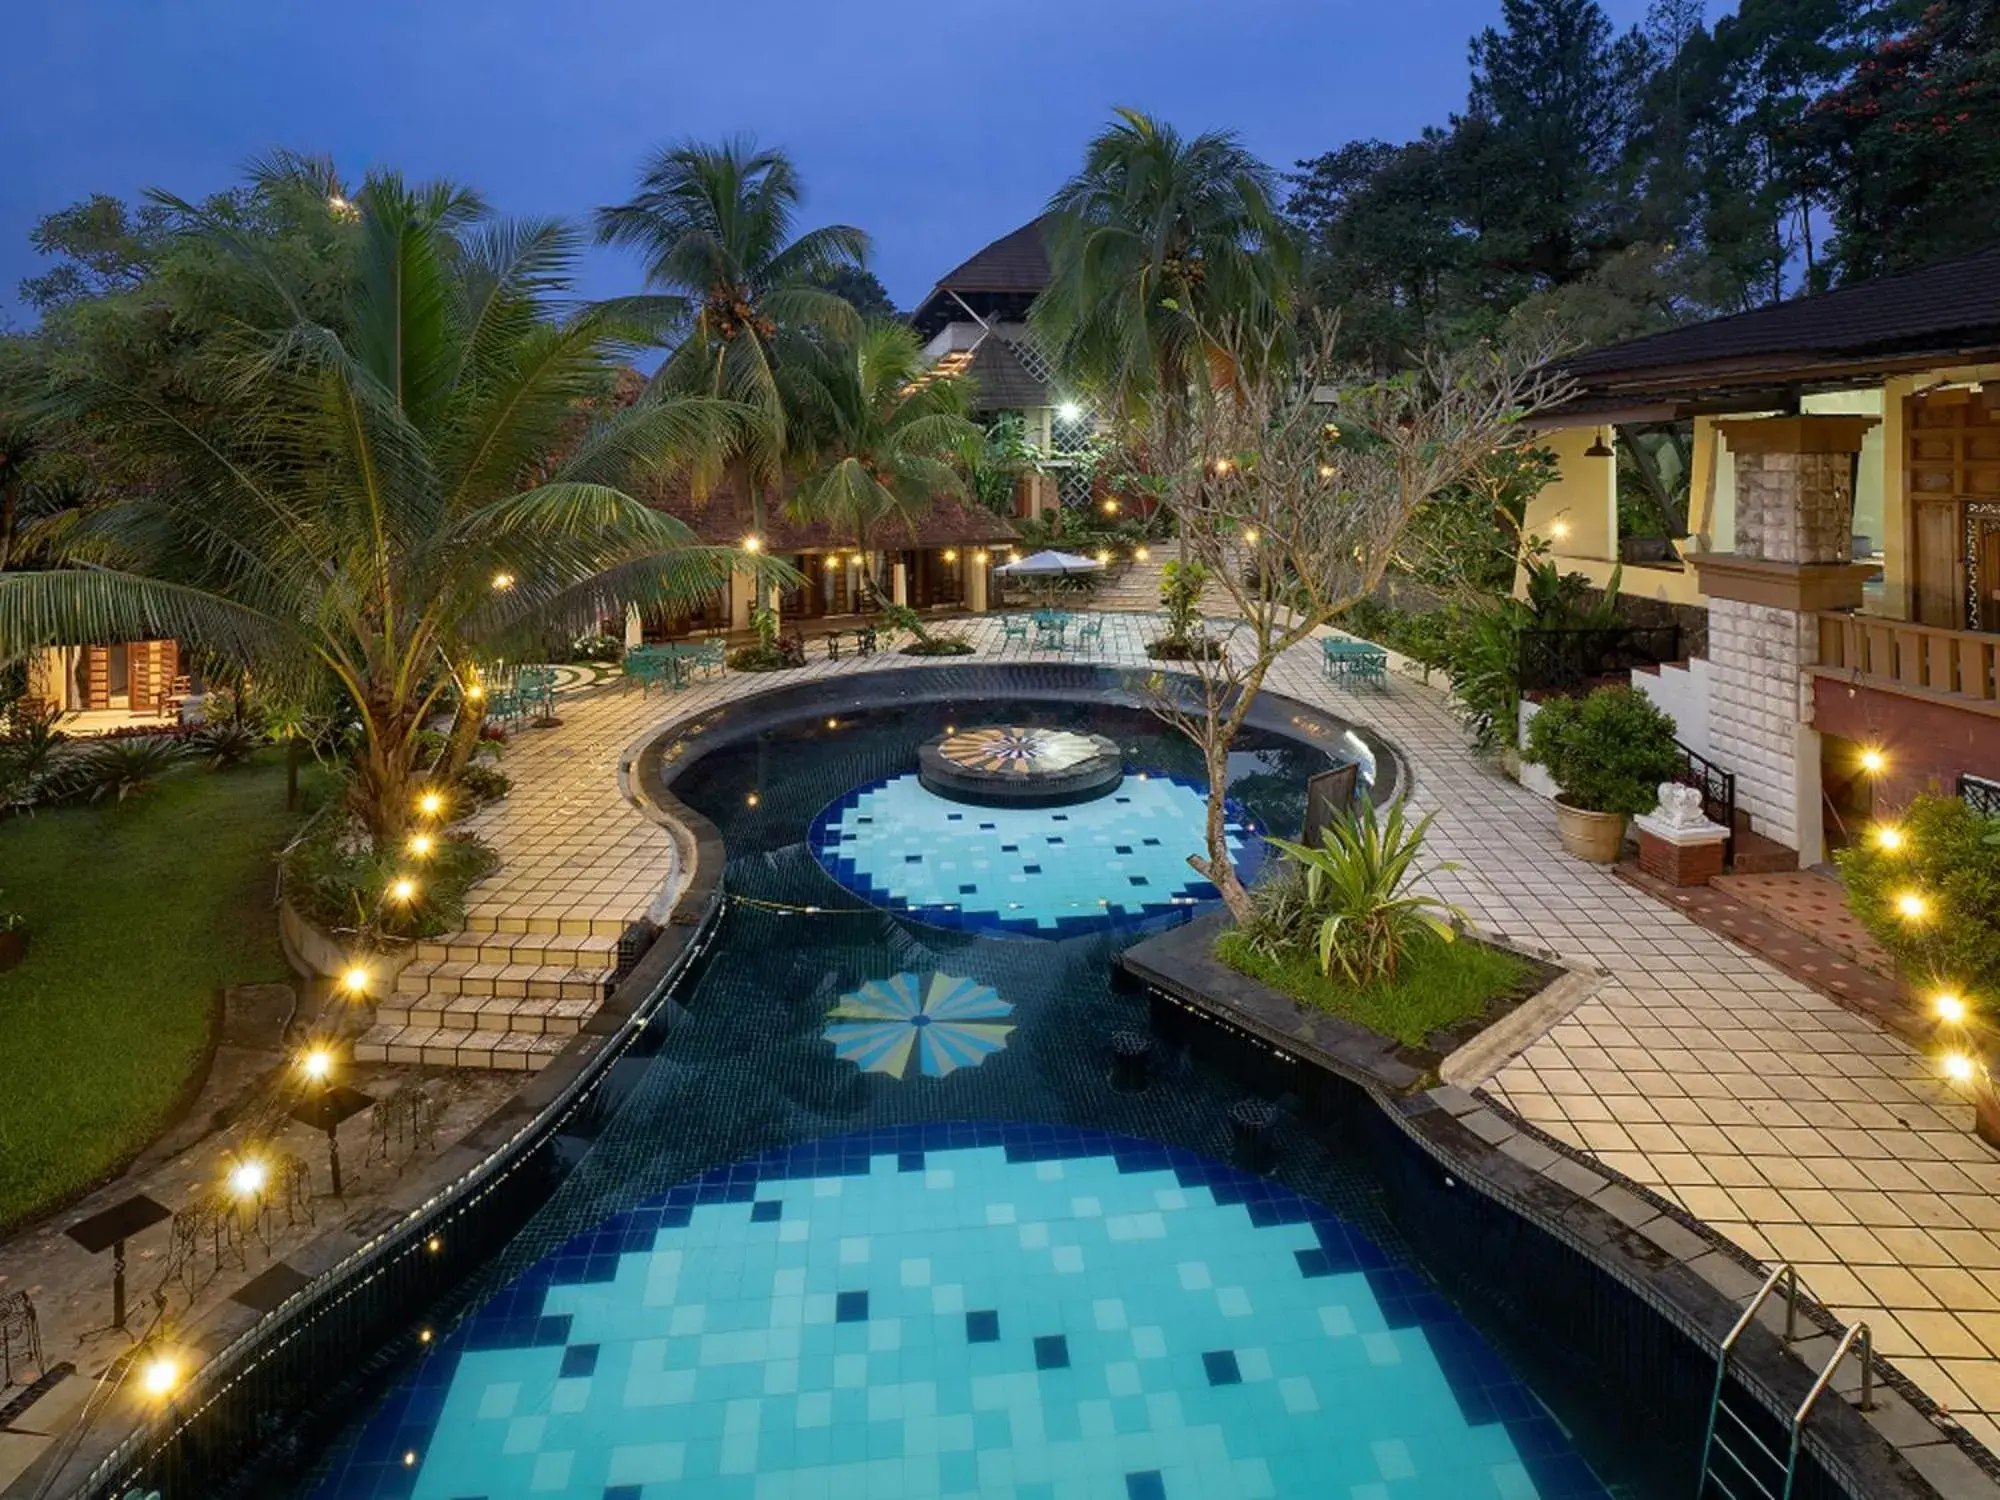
571,950
512,1051
498,921
494,976
483,1013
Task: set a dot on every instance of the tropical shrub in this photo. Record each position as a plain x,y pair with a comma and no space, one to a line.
1353,900
29,752
924,640
1181,584
119,768
483,784
1949,857
1607,752
342,884
227,742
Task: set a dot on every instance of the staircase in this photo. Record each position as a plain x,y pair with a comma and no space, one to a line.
1682,691
1135,586
482,998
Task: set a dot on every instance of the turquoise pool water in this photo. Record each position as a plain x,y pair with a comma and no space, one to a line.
958,1311
1118,859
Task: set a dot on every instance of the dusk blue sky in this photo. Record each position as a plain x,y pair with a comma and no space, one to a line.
936,126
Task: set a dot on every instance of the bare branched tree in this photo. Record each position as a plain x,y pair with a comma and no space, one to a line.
1293,481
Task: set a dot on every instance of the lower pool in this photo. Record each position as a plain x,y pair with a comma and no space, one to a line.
873,1220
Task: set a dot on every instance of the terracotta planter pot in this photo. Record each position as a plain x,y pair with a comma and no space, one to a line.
13,947
1594,836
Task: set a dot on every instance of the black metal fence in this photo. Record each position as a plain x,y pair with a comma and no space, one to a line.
1718,792
1981,795
1569,661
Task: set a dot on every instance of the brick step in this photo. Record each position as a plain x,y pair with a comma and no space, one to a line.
562,1016
571,950
494,919
509,1051
460,976
1753,854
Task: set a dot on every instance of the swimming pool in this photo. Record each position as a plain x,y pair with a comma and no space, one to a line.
959,1311
760,1271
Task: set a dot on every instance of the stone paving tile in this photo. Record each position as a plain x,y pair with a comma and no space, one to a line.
1792,1126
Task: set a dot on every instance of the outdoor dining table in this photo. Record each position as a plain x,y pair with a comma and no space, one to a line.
1342,658
1051,623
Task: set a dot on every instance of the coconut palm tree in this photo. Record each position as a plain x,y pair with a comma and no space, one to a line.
887,438
387,502
715,224
1157,234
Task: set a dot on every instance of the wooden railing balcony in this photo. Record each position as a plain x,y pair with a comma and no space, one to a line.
1958,667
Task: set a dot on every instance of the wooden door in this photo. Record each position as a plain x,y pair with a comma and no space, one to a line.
1940,585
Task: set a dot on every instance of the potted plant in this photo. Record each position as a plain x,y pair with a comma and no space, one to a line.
1607,754
13,938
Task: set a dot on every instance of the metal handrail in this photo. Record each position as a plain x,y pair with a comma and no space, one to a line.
1783,1272
1847,1340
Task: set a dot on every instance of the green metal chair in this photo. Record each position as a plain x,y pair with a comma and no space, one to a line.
1090,634
1013,628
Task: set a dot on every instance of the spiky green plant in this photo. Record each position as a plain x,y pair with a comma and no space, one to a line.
1360,908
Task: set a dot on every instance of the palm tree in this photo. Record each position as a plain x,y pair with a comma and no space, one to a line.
886,436
715,225
1156,235
384,503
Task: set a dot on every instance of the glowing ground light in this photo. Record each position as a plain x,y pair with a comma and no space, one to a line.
1888,838
161,1374
1142,554
1873,761
421,844
434,1244
403,889
1250,537
355,981
1912,907
1949,1008
317,1064
248,1178
430,804
1959,1068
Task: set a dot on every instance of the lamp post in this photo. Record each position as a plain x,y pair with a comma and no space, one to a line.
326,1105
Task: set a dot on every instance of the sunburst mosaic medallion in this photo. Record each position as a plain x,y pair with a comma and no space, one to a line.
947,1024
1022,752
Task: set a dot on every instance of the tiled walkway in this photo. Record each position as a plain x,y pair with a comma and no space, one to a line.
1797,1129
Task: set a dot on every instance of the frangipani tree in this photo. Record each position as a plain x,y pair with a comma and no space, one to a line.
382,502
1292,484
887,436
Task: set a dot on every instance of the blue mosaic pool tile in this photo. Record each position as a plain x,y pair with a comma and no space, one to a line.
767,1212
1176,1296
579,1360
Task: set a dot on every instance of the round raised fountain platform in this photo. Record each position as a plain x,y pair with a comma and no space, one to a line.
1016,766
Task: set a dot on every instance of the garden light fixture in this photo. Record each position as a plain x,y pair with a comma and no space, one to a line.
355,981
1888,838
1111,507
1598,447
1559,530
503,581
1950,1009
430,804
317,1064
1873,761
751,799
980,557
1326,471
1142,554
1959,1067
1250,536
162,1373
753,544
475,692
951,554
1103,556
402,888
421,844
1069,411
248,1178
1912,907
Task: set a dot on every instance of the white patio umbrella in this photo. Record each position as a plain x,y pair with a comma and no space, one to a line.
1050,565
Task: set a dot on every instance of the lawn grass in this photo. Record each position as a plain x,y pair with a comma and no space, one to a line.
1437,985
137,914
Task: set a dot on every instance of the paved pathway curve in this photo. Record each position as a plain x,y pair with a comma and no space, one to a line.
1797,1129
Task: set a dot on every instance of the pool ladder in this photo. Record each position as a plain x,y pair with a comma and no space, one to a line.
1739,1456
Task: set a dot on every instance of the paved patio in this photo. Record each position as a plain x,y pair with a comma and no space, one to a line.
1794,1127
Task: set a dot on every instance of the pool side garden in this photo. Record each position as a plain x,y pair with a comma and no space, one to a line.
105,1023
1439,985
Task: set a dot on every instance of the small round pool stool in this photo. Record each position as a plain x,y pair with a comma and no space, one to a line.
1131,1060
1251,1125
1020,766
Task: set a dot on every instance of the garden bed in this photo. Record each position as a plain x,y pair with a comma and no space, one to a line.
1457,1000
139,912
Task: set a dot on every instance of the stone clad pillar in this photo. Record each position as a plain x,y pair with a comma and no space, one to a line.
976,574
1791,558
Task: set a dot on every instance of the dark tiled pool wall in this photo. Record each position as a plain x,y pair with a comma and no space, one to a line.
1558,1316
